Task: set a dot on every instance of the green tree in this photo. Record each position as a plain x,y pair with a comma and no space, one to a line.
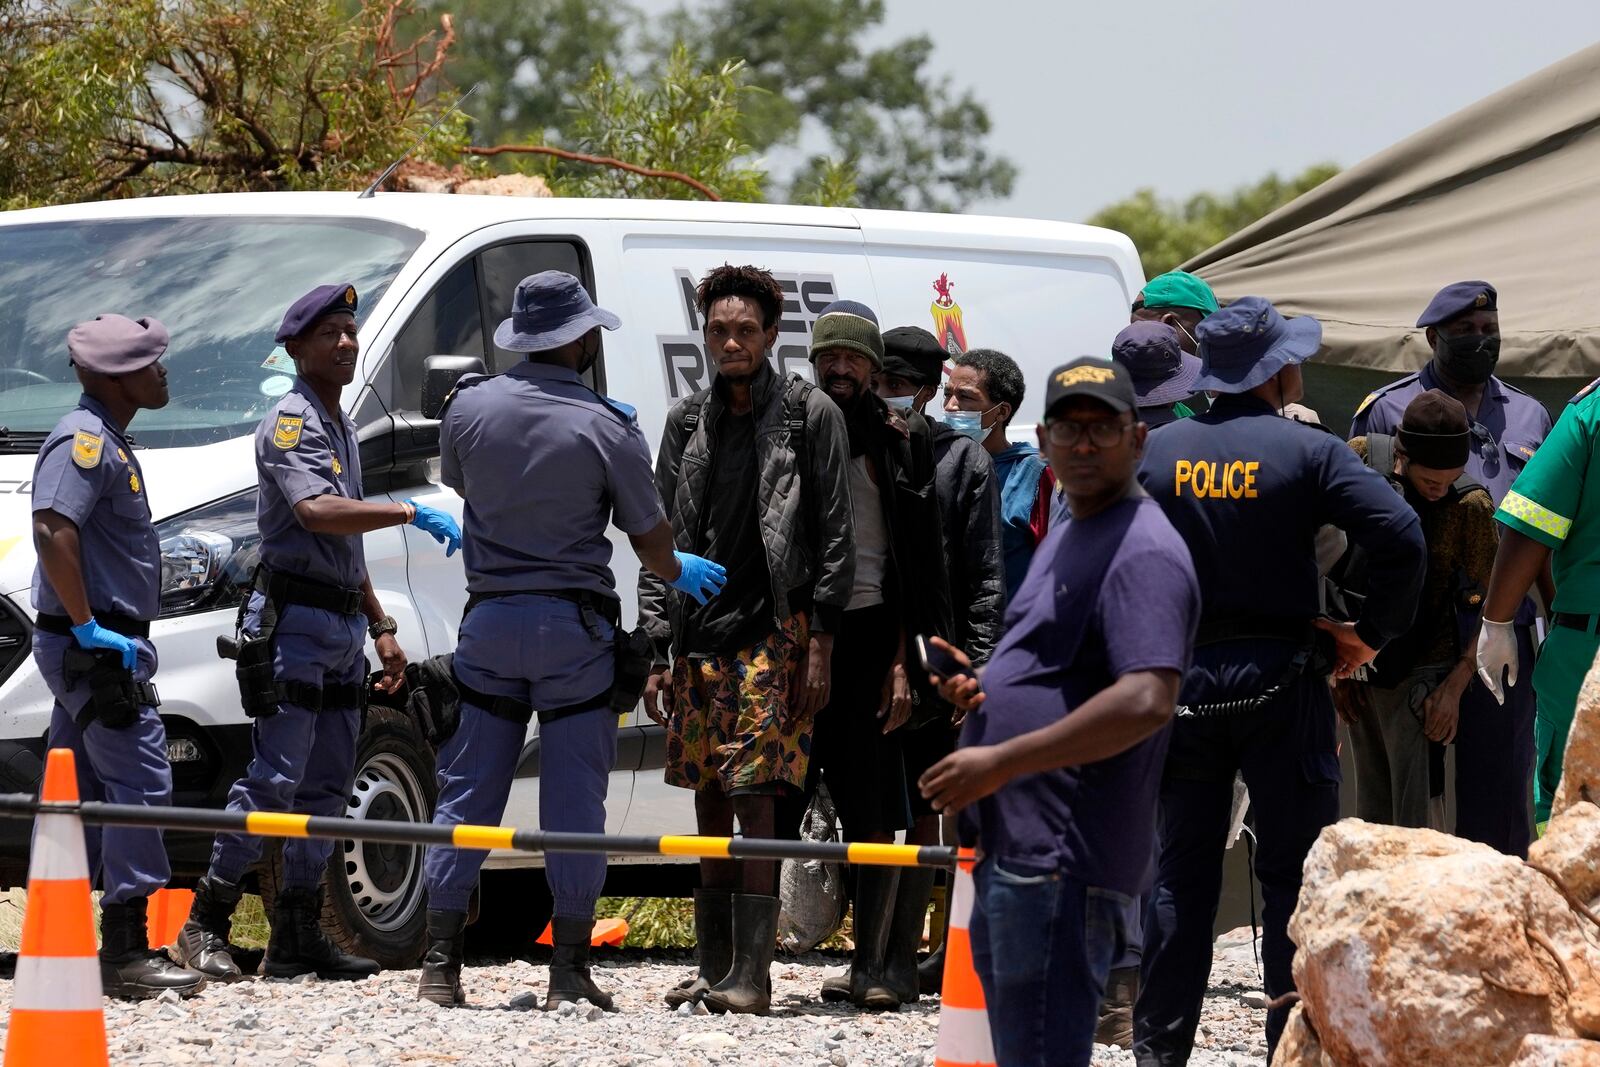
1168,232
112,98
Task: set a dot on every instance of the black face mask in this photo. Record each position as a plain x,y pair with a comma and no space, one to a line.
1469,359
591,351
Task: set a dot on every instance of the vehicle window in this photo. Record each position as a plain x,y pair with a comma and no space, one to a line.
448,323
503,266
219,284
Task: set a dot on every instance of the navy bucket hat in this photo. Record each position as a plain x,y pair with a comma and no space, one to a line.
550,309
1248,342
1163,373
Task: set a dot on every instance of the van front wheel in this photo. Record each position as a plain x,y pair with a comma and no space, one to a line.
374,899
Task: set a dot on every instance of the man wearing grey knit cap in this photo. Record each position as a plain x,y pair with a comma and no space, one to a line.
899,591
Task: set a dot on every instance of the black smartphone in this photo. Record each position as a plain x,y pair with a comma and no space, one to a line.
936,661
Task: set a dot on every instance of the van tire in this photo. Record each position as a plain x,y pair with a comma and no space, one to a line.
374,902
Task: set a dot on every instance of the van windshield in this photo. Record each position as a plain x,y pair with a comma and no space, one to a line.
220,285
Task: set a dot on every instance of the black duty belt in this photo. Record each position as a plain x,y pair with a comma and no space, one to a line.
1254,627
111,620
1586,623
608,608
284,588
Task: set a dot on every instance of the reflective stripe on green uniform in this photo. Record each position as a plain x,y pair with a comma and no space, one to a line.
1551,503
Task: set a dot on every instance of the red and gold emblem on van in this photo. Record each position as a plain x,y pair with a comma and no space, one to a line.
947,317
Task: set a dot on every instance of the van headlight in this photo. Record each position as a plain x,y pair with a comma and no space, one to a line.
208,554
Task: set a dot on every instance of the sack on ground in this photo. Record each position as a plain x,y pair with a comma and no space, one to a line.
811,893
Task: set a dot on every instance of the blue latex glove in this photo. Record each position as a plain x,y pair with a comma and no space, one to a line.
699,577
437,524
92,635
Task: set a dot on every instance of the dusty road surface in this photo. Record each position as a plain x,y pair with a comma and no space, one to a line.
379,1022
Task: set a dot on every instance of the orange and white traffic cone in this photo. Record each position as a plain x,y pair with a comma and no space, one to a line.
57,1015
169,910
964,1039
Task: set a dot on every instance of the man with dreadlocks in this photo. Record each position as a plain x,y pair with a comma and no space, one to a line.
753,470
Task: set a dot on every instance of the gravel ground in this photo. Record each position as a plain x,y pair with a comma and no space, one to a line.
380,1021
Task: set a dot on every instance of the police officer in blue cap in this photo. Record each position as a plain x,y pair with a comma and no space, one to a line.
1247,489
1494,744
97,586
302,635
544,464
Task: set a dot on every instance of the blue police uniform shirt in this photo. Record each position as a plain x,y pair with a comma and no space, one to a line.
303,451
87,472
1247,489
1106,596
1509,427
544,464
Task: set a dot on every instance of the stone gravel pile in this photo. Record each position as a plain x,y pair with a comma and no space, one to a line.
380,1021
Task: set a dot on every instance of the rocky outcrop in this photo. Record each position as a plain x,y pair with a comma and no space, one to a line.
1537,1050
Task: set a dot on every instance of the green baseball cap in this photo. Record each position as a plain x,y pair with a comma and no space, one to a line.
1179,289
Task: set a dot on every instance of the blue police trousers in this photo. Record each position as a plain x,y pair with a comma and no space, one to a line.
302,760
1494,759
542,650
126,765
1288,756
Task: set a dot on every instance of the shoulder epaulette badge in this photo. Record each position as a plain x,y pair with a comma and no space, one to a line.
86,449
1585,391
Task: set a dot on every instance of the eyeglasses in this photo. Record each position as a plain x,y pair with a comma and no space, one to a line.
1102,434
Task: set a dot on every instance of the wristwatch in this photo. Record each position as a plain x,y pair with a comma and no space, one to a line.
385,625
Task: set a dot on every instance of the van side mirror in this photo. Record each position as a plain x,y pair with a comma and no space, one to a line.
440,375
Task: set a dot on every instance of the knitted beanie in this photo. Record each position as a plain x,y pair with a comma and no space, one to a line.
848,324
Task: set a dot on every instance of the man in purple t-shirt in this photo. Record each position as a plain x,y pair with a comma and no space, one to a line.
1061,754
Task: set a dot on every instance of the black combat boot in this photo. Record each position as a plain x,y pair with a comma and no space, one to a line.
298,945
874,908
930,972
203,942
747,989
905,933
713,943
569,965
441,967
129,968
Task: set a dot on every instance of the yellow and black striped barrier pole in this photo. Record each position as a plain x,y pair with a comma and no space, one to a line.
283,824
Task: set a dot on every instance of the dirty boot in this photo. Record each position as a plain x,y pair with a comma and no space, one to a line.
441,967
906,923
298,945
202,944
930,972
747,989
569,965
713,942
874,908
1116,1011
129,968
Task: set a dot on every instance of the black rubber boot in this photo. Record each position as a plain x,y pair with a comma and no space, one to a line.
202,944
298,945
569,966
747,989
905,932
441,967
930,972
874,909
713,942
129,968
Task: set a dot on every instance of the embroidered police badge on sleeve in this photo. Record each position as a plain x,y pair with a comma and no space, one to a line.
86,449
287,433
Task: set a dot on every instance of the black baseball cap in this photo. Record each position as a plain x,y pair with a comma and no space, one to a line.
1105,380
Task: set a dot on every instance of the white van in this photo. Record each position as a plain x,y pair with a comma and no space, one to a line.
435,274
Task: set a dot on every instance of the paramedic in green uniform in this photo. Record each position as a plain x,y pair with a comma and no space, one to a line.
1551,515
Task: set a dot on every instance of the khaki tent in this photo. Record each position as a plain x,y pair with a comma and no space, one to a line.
1507,190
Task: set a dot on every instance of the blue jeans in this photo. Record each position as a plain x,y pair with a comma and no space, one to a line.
1043,945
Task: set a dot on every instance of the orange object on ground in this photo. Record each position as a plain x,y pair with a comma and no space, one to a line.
964,1039
169,910
606,932
57,1014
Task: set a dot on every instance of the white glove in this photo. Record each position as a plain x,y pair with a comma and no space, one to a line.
1497,652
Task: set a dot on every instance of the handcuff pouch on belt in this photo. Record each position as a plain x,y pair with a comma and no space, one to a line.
259,693
434,698
1313,652
115,699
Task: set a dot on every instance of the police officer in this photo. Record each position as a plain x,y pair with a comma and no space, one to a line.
544,464
97,586
1495,746
1247,489
301,666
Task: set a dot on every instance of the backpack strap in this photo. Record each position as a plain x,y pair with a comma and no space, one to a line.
691,413
1380,453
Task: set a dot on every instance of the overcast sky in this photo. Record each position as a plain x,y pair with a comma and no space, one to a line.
1094,98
